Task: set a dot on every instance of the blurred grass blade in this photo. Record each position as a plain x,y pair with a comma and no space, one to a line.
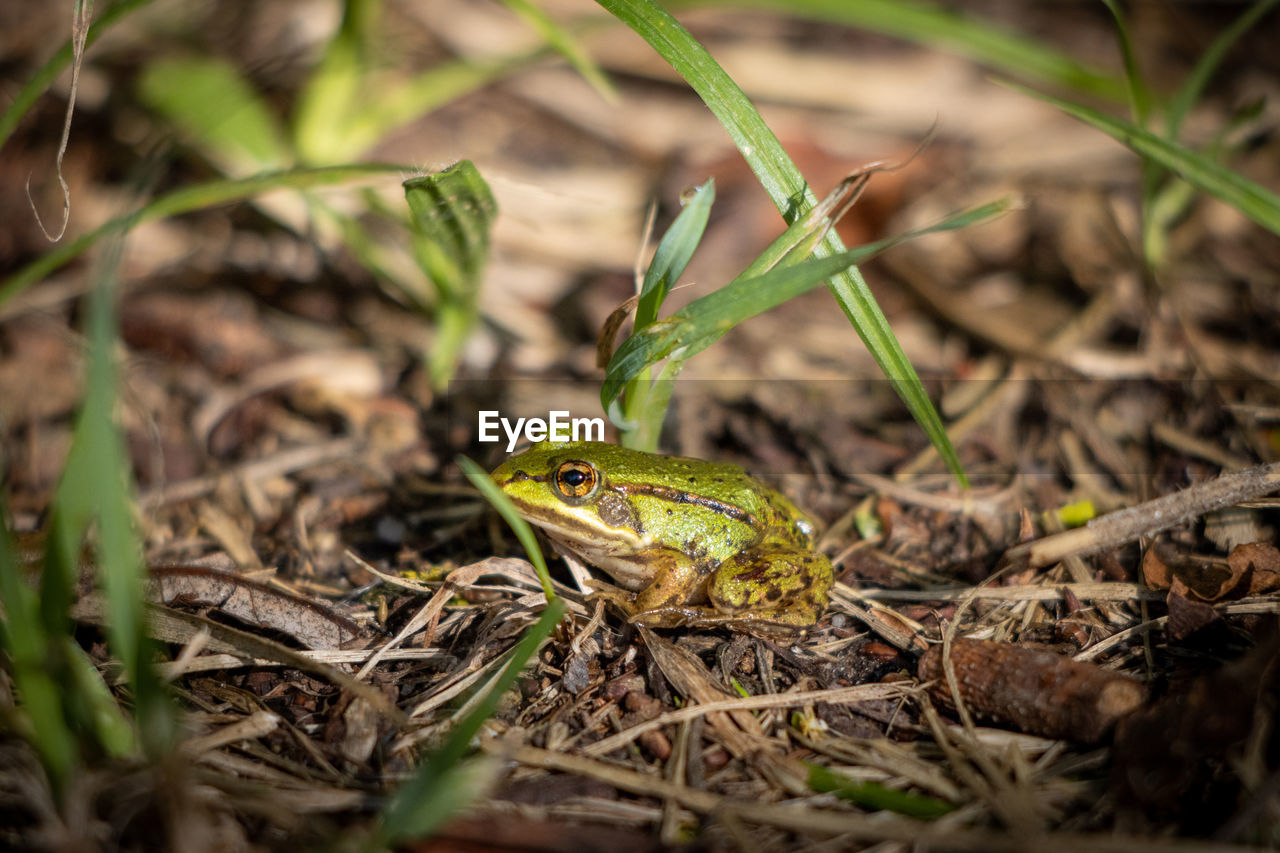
185,200
930,24
98,468
702,322
1255,202
1191,89
112,730
428,799
564,43
452,214
350,104
211,102
507,510
792,196
44,77
40,716
1135,83
325,129
872,795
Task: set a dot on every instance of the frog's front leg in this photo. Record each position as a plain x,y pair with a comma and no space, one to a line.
774,586
676,596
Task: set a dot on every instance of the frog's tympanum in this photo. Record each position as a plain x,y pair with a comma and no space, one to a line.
693,542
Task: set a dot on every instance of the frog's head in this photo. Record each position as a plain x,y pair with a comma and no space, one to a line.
564,488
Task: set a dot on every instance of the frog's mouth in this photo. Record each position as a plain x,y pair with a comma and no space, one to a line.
621,552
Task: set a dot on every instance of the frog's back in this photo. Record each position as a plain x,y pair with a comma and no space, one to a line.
718,507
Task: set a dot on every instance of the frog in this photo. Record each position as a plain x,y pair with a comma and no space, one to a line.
687,542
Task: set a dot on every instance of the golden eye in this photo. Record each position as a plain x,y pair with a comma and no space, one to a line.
576,480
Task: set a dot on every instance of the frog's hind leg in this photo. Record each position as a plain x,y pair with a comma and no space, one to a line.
775,587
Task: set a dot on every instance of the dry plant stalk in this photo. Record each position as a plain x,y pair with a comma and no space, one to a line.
1035,691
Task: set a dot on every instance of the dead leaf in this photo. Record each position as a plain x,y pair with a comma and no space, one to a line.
311,623
1187,614
1259,562
1155,571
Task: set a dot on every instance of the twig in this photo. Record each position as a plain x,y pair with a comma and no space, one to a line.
79,35
844,695
1126,525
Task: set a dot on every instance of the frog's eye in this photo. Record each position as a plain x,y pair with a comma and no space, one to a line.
576,480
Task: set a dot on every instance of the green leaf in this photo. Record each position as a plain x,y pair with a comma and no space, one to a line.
873,795
226,119
452,214
785,185
1255,202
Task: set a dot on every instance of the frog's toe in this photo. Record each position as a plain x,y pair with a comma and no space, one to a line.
623,600
669,617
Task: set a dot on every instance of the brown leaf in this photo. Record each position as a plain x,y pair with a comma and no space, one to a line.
1259,564
312,624
1155,571
1187,614
1163,567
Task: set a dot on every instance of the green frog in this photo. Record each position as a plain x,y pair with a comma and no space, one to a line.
691,542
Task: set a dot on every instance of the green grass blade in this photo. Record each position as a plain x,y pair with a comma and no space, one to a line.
99,465
564,43
507,510
872,795
702,322
928,24
786,186
1194,85
43,78
673,253
452,214
325,127
644,413
214,105
112,731
349,105
1140,111
426,800
1255,202
26,649
185,200
1135,84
